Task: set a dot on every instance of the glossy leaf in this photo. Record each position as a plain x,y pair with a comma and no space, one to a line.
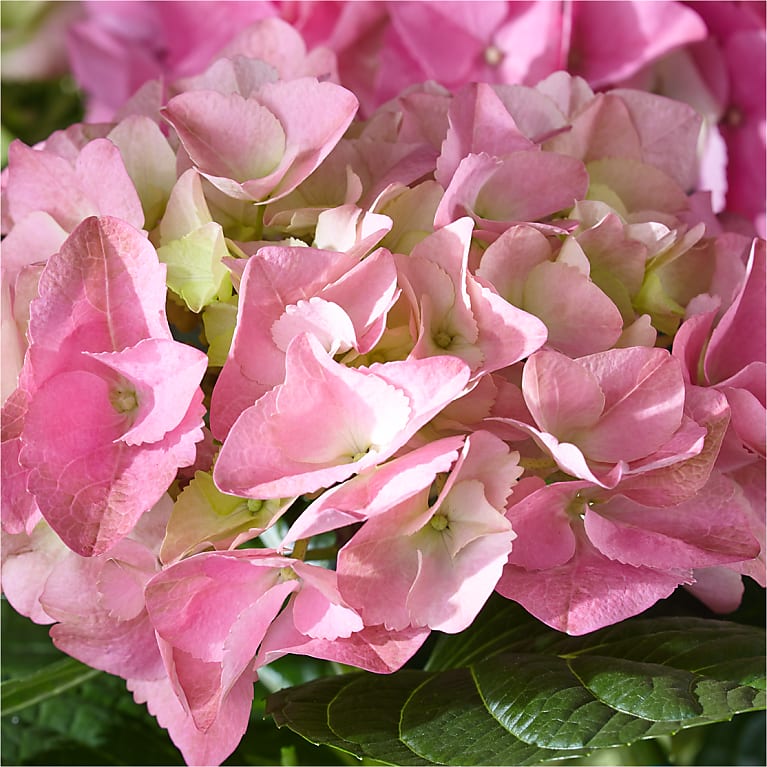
511,691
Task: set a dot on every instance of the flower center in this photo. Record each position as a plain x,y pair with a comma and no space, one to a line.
443,339
733,117
439,522
123,399
493,56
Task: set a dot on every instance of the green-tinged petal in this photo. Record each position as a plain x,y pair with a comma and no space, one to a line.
203,516
219,320
195,270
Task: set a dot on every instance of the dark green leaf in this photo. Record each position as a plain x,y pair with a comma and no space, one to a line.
16,694
520,693
444,721
371,721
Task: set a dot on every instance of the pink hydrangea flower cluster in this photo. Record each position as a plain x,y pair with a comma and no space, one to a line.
491,338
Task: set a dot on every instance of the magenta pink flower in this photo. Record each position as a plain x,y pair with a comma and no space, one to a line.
327,422
258,146
211,613
96,603
107,401
457,314
584,558
433,558
288,291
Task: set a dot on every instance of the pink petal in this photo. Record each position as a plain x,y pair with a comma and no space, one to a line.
104,291
612,42
319,611
198,748
589,591
479,122
375,574
739,338
97,184
82,477
542,526
270,452
674,481
562,395
376,490
375,648
165,376
640,187
27,562
508,261
579,317
668,132
308,141
523,186
719,588
710,529
644,396
273,279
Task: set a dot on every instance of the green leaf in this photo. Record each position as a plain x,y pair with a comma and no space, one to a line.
52,680
509,690
444,721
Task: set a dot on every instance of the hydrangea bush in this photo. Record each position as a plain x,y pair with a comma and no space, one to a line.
336,318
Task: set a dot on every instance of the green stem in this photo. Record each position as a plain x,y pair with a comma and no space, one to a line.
299,549
322,552
259,225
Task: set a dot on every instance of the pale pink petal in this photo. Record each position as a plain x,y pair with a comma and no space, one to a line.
479,122
273,451
319,611
375,648
27,562
326,321
195,603
198,748
579,317
97,184
228,135
506,334
508,261
34,238
739,338
668,132
639,186
459,567
164,376
523,186
276,277
603,128
448,594
589,591
366,292
542,526
308,141
375,573
376,490
102,174
644,396
710,529
719,588
562,395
